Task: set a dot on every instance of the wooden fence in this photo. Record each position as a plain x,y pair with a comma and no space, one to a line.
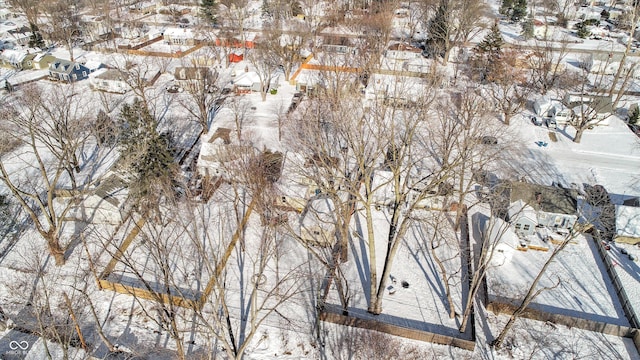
332,316
176,297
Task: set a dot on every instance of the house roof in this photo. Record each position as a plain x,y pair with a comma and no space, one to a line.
550,199
246,79
191,73
62,66
403,47
40,56
320,212
179,33
520,209
14,56
109,74
628,221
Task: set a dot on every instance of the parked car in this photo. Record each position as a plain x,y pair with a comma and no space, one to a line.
489,140
551,123
174,89
536,121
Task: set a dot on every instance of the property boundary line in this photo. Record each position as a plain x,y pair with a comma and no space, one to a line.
178,299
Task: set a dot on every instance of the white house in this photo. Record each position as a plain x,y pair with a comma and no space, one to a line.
109,80
523,218
555,207
246,82
179,36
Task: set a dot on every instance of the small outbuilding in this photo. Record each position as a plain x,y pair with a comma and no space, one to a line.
627,224
317,222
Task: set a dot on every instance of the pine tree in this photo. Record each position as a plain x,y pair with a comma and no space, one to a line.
505,8
519,10
35,39
438,30
148,156
208,11
582,30
515,10
488,51
527,27
492,44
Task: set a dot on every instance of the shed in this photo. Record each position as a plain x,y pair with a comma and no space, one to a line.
236,57
627,224
317,222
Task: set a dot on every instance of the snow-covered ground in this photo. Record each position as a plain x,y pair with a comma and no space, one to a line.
577,278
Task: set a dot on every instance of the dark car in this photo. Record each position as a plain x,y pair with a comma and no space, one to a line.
536,121
489,140
174,89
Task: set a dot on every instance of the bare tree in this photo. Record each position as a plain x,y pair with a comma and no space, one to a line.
63,23
265,63
50,145
506,85
203,87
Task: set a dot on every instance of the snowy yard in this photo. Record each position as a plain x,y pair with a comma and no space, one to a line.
582,286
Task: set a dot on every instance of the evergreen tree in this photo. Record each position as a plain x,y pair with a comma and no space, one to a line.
488,51
519,10
148,156
438,30
634,116
505,7
582,30
35,39
515,10
208,11
491,45
527,27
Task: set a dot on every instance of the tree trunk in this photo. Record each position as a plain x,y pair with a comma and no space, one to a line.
373,277
56,250
507,118
578,136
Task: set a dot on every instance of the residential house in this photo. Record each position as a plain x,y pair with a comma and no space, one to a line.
69,71
42,61
402,51
627,224
220,148
317,222
109,80
246,82
16,59
555,207
180,36
607,63
144,7
192,76
596,110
